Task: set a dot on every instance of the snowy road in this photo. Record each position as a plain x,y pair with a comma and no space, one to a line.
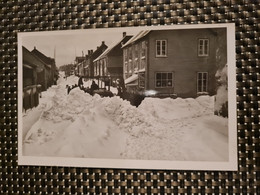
79,125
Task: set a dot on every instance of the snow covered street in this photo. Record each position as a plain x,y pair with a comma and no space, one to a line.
81,125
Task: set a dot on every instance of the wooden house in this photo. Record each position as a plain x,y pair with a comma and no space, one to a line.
50,62
110,62
173,62
92,55
34,79
79,65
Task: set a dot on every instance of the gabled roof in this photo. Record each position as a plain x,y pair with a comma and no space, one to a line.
43,57
109,49
99,50
33,61
80,58
137,37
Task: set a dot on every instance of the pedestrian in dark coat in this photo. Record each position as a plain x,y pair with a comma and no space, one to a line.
80,82
93,87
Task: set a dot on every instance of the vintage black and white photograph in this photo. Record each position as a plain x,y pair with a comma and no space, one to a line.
138,97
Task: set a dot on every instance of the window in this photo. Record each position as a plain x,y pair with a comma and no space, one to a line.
126,70
143,46
136,51
161,47
105,67
141,77
130,54
130,67
101,68
202,82
125,63
136,62
203,47
98,68
125,54
163,79
95,68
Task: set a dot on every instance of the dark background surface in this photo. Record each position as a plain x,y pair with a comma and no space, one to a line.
36,15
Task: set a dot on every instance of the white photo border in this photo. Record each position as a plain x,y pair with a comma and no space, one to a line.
230,165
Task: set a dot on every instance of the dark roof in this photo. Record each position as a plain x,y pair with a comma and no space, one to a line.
30,59
80,59
99,50
109,49
43,57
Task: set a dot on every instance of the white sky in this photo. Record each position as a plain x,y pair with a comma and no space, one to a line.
71,43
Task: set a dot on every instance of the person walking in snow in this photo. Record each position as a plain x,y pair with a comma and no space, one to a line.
80,82
120,85
93,87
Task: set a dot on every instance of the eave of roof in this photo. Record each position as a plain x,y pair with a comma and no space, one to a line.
111,48
31,59
43,57
137,37
132,78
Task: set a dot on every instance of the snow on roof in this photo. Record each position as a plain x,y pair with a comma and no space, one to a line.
141,70
135,38
110,48
131,78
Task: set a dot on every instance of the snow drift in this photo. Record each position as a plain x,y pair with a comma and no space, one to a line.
81,125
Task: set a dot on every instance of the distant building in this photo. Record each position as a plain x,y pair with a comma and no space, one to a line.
68,69
179,63
92,55
110,62
79,65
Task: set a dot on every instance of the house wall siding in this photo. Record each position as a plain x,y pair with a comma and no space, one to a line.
115,61
183,60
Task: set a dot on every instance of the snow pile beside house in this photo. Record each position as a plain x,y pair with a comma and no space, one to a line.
222,93
169,108
81,125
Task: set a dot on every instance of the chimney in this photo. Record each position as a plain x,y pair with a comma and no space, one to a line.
34,47
124,34
91,51
103,42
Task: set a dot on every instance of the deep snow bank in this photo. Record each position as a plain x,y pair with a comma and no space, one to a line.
81,125
169,108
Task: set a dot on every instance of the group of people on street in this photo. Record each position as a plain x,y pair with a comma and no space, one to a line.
81,86
94,86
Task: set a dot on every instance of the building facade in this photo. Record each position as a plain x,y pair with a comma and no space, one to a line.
180,63
92,55
52,74
79,65
110,62
36,78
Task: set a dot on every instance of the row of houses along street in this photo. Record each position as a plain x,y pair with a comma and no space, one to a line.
39,73
163,63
